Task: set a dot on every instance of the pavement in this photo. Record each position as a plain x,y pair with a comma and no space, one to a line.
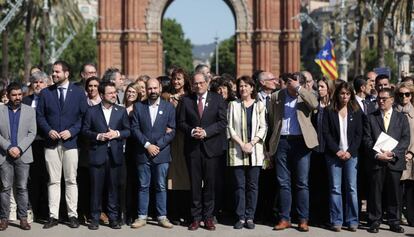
152,230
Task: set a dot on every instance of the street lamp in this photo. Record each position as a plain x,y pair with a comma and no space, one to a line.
217,55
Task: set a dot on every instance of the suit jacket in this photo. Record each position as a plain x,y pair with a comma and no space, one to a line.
143,131
95,123
213,121
51,117
27,100
397,129
26,132
332,134
305,105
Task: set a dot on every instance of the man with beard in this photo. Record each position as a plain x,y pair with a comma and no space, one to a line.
153,126
17,132
106,125
38,173
59,116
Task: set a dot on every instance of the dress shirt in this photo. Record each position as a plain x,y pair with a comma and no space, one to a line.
153,110
389,112
262,97
360,102
343,131
107,114
35,101
290,123
14,117
204,96
65,90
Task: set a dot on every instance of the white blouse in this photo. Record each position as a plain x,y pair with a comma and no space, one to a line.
343,128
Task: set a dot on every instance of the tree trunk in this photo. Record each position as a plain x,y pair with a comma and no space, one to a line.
42,39
5,55
357,65
27,41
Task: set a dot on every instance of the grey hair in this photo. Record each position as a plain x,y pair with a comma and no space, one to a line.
39,76
110,74
199,68
199,73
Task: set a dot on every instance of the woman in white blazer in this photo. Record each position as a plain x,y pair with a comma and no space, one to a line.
246,130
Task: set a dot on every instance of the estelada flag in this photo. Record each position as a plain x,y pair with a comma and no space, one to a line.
327,61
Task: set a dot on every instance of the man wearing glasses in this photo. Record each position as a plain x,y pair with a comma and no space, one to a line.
387,165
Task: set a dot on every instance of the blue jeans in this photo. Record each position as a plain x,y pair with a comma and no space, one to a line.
14,170
157,173
293,159
347,169
246,190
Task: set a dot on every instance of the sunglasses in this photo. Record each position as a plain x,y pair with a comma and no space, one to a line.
406,94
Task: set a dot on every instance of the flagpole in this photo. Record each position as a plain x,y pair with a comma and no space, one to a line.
343,62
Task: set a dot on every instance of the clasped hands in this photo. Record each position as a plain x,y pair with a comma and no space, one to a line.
385,156
14,152
64,135
343,155
111,134
198,133
153,150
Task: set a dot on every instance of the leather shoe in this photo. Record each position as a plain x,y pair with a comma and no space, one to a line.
194,225
52,222
94,225
303,226
282,225
396,229
24,225
114,225
4,223
73,222
209,224
374,228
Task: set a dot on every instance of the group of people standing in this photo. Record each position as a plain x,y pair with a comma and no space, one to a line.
196,136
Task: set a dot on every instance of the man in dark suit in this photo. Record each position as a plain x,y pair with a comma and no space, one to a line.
59,116
38,174
17,132
202,118
106,125
153,126
386,166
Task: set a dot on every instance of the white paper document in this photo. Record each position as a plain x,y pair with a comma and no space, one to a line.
385,142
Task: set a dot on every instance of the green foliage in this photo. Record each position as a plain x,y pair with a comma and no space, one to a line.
82,49
176,47
371,62
227,57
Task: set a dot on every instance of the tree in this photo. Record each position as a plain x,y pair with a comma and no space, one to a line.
227,57
177,48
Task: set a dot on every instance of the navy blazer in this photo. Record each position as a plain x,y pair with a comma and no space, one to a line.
213,121
143,131
50,116
332,134
95,123
397,129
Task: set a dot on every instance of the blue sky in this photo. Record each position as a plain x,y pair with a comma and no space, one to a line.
202,20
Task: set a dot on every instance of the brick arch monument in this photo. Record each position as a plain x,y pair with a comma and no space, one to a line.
129,35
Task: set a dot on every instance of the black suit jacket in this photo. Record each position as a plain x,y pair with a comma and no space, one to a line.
398,129
95,123
213,121
27,100
331,131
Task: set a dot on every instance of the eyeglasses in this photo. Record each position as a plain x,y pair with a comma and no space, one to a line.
405,94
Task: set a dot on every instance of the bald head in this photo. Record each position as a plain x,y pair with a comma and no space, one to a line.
268,82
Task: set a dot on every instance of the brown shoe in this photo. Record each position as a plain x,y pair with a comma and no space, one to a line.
4,223
194,225
24,225
209,224
282,225
303,226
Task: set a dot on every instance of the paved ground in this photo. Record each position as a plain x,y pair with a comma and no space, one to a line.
179,231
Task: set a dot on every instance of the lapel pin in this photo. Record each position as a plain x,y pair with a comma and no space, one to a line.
160,112
116,108
207,104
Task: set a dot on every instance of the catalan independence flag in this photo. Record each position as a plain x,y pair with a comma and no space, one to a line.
327,61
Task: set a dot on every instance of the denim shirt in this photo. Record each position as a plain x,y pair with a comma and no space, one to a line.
14,118
290,123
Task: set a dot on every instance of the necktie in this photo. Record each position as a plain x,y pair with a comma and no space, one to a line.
386,120
364,104
61,97
267,102
200,106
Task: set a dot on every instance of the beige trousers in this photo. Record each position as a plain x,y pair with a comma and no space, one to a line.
58,159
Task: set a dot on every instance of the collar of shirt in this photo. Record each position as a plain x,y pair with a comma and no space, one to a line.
263,95
359,99
11,107
204,96
64,86
155,104
389,112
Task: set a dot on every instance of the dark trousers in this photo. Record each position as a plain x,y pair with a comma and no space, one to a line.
246,180
318,189
37,183
408,200
106,175
384,179
202,170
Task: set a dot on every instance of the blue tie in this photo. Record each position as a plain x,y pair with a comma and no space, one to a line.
61,97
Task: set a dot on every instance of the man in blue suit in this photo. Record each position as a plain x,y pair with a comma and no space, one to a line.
59,115
106,125
153,126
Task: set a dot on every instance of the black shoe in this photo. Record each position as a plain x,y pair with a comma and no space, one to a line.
73,222
52,222
239,225
249,225
114,225
94,225
374,228
396,229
